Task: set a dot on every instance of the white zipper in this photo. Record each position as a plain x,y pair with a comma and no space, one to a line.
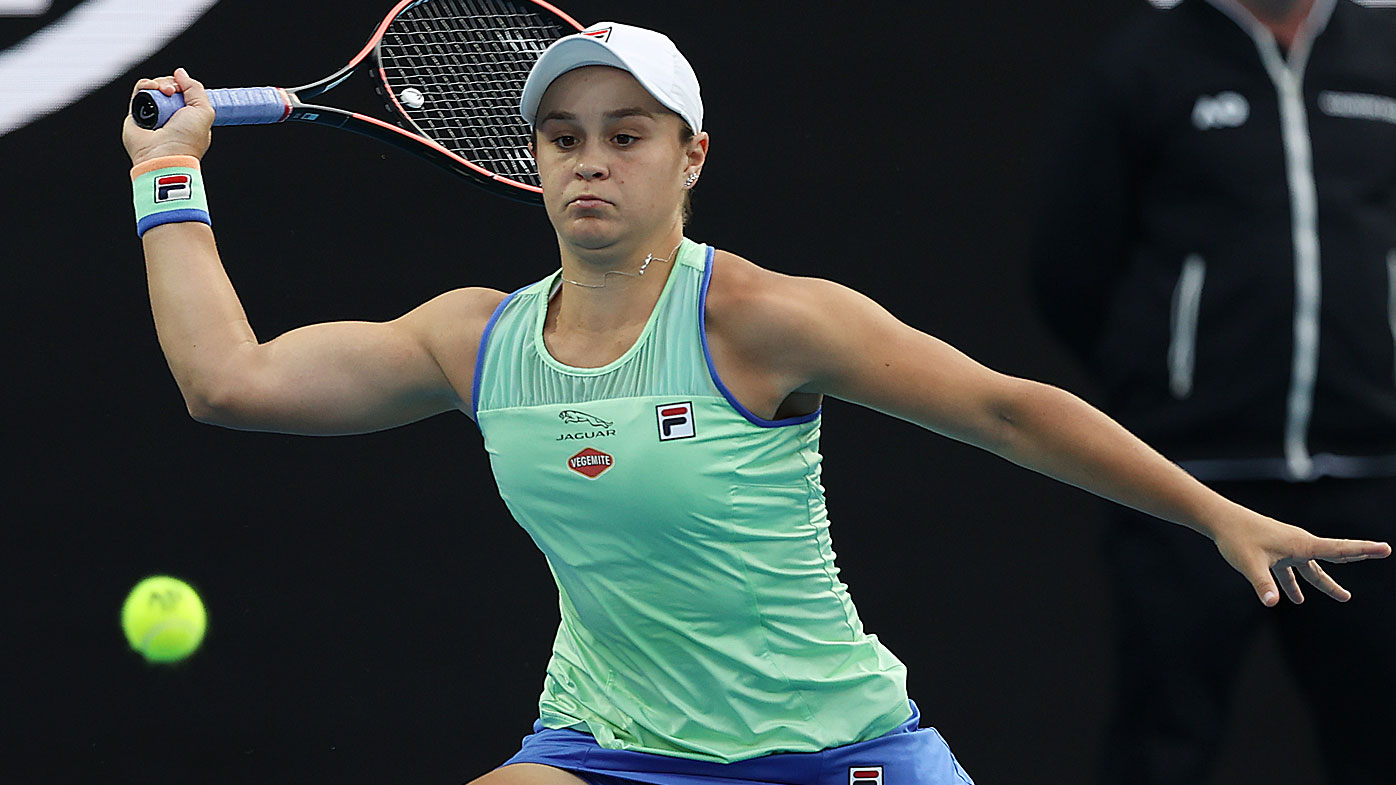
1303,197
1182,348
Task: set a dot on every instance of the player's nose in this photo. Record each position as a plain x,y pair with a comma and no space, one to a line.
591,169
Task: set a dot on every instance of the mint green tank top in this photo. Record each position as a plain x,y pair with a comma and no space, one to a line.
702,615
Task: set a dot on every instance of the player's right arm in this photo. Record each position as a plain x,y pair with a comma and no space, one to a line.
335,378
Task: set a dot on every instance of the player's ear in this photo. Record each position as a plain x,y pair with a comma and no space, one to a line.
697,150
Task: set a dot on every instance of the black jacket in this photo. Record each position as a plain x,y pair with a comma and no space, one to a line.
1217,240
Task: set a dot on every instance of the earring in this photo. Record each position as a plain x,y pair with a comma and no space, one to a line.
690,180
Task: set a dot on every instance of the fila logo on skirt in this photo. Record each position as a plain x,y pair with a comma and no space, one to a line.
865,775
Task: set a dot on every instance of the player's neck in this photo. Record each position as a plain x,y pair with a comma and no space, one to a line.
1283,18
616,286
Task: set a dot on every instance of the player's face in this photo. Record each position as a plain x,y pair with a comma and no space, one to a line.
610,157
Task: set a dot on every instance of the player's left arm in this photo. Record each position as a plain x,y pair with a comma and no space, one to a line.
834,341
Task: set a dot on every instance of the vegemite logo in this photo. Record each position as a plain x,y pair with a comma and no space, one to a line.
865,775
598,427
590,462
675,421
173,187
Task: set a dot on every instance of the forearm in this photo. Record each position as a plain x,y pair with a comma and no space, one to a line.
1054,432
199,319
870,358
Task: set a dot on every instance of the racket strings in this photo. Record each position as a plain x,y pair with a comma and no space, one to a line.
467,61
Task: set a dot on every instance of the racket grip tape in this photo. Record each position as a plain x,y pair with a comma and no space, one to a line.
151,109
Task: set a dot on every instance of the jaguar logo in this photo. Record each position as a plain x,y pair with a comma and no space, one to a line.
596,427
582,418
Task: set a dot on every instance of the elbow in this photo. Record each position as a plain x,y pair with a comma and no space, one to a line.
202,411
209,409
1020,415
215,401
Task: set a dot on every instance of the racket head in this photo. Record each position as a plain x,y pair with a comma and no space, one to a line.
453,71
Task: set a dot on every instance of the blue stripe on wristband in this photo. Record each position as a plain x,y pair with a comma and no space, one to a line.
171,216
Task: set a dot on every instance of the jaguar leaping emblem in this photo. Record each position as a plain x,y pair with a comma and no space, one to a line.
582,418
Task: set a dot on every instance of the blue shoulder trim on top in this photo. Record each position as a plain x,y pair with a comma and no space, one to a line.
480,353
712,370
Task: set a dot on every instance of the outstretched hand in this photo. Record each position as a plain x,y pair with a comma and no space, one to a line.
189,130
1271,553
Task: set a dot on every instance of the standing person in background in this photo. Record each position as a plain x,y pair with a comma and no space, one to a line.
1217,244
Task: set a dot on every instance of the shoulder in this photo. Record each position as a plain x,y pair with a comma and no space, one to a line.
450,320
780,320
457,308
745,295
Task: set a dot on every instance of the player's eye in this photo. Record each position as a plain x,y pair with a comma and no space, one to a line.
625,140
565,142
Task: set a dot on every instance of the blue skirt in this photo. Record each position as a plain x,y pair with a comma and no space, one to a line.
908,755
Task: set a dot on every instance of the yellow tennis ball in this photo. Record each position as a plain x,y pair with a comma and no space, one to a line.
163,619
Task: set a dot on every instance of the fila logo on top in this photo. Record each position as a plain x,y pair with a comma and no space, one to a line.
603,34
173,187
865,775
675,420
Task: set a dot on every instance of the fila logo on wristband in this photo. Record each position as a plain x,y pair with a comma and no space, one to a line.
173,188
168,190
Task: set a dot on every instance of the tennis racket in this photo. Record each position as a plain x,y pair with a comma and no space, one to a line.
451,73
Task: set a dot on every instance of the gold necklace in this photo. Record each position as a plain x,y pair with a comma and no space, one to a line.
643,265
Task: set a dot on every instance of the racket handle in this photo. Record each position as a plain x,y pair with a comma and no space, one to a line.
151,109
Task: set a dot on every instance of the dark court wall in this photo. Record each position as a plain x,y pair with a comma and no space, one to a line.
375,615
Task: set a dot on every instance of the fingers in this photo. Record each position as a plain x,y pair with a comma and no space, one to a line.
1261,580
192,88
1337,551
1342,551
1315,575
1285,577
187,132
165,84
1269,553
178,82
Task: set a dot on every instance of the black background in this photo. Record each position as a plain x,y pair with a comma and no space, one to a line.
375,615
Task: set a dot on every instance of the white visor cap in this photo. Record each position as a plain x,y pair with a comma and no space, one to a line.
650,57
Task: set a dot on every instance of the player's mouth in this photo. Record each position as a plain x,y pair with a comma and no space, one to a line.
588,201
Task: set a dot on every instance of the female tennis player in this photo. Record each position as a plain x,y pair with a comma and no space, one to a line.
651,412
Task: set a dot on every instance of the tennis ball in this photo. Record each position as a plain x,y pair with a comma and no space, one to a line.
163,619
